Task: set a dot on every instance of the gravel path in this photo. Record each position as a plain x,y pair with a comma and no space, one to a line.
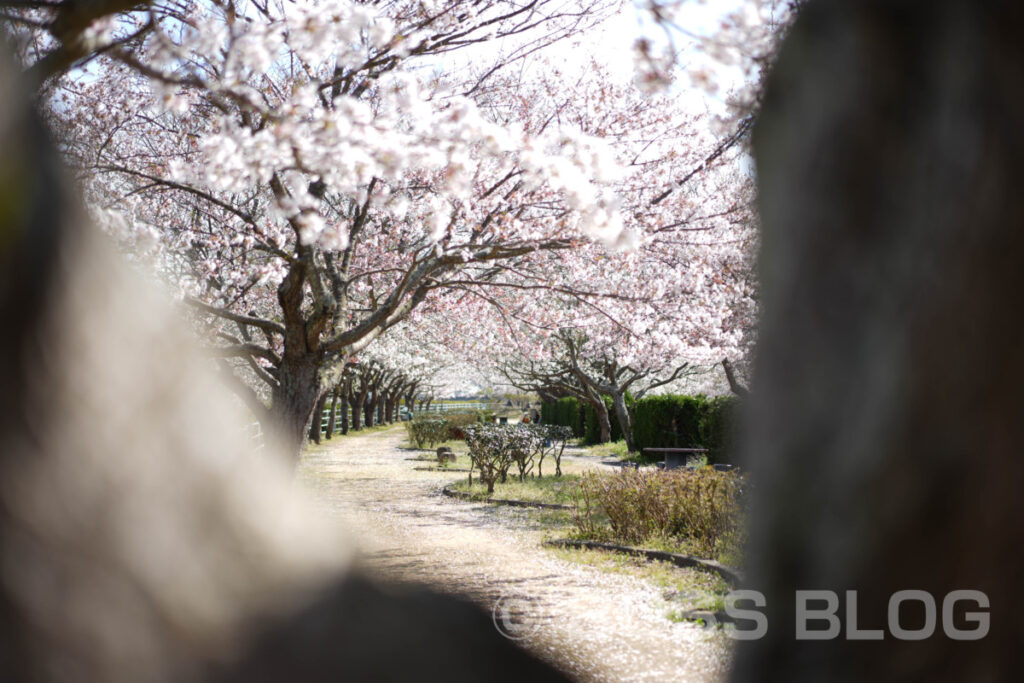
599,626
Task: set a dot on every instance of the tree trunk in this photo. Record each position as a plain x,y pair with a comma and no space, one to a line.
345,392
734,383
410,396
316,420
883,430
394,402
332,419
625,419
603,421
294,399
358,402
370,409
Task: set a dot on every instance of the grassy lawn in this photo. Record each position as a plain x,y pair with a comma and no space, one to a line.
612,449
362,432
429,459
548,489
326,443
456,446
429,455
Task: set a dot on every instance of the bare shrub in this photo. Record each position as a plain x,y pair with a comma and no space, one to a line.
552,443
700,508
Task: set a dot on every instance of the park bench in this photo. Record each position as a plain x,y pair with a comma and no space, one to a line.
677,457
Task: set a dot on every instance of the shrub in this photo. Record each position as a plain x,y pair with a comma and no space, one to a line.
427,430
495,448
524,442
547,412
490,452
457,422
553,439
667,421
700,508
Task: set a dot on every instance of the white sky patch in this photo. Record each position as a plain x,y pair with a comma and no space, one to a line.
612,45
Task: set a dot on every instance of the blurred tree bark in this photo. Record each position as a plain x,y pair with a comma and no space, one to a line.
885,423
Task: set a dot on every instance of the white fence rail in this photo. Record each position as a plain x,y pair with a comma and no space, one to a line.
437,407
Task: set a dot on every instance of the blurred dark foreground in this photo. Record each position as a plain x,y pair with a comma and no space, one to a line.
886,431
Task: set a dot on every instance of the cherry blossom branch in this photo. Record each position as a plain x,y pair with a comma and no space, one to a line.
742,129
181,187
260,323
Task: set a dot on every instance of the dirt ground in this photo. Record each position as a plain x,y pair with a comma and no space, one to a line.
598,626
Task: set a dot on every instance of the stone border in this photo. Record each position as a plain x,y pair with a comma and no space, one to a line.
732,576
441,469
462,495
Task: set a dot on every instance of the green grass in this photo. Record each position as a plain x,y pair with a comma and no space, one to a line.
326,443
612,449
456,445
555,522
680,546
362,432
430,460
548,489
429,455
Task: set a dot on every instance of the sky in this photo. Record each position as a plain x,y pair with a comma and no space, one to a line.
612,45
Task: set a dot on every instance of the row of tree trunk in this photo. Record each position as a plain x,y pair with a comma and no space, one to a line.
365,396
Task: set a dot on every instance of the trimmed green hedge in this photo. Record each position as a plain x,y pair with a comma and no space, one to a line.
674,421
717,427
565,412
667,421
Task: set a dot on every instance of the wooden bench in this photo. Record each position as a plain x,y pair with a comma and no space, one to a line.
677,457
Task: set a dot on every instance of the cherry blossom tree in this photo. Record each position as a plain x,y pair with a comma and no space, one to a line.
310,176
642,337
52,37
727,59
308,190
604,323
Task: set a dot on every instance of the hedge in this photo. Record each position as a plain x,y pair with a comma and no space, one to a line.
564,412
674,421
667,421
717,425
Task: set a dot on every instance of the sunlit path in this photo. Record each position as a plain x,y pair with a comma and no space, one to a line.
600,626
